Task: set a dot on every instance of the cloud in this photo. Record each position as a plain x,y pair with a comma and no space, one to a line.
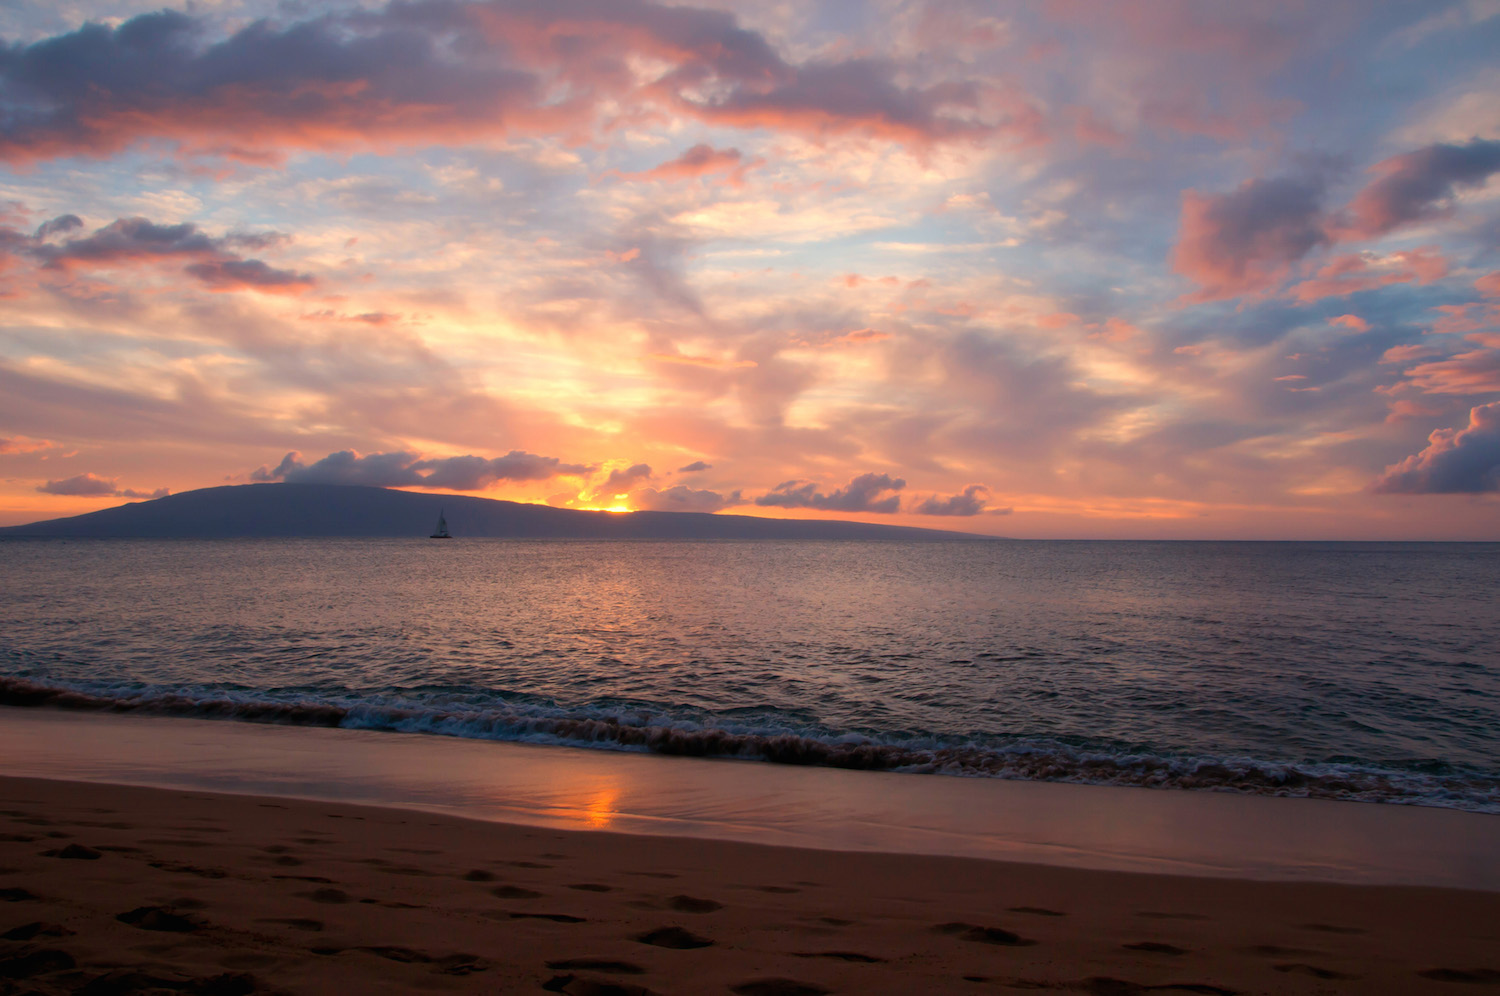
862,96
1246,240
135,241
620,481
23,444
1419,185
1474,372
701,160
402,469
969,502
694,467
427,72
57,226
681,498
1456,461
1354,272
91,486
249,274
860,495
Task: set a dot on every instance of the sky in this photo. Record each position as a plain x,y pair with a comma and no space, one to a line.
1144,269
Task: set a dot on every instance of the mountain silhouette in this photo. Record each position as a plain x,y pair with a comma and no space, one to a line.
332,510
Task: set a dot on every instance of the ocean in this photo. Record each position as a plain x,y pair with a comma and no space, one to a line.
1360,671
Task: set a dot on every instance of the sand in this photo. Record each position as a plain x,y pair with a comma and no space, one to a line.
111,889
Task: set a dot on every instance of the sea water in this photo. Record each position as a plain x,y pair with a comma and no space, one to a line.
1350,671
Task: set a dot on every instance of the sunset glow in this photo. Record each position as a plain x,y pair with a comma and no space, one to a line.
1156,268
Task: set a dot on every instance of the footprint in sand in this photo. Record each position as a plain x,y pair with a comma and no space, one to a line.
1154,915
983,935
573,985
688,904
479,875
592,887
453,964
15,895
181,869
36,928
327,896
160,919
852,956
675,938
778,987
1106,986
26,964
76,852
1331,928
1302,968
1155,947
514,892
1035,911
1472,976
780,890
295,922
597,965
128,980
554,917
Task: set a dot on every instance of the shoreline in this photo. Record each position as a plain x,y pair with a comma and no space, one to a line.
123,888
1079,826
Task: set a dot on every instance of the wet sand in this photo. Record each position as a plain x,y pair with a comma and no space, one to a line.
113,889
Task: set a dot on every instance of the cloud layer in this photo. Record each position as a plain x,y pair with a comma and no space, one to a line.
1135,269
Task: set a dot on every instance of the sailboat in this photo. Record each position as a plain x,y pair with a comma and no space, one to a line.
441,530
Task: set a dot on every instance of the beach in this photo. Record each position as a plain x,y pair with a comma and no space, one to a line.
116,889
490,867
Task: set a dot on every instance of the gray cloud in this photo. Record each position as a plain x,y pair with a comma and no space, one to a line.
620,481
969,502
682,498
90,486
438,71
133,241
402,469
694,467
1420,185
1245,240
1455,461
862,494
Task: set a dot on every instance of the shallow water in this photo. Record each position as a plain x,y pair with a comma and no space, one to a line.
1363,671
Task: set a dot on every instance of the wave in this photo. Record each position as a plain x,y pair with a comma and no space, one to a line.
1030,760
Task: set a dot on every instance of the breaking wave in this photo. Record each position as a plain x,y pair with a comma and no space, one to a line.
1031,759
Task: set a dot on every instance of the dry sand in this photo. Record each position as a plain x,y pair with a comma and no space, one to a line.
109,890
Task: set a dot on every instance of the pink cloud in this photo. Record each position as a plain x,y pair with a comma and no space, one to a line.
1405,408
1418,186
1407,353
1474,372
1352,322
1245,241
699,161
1354,272
1489,284
24,444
